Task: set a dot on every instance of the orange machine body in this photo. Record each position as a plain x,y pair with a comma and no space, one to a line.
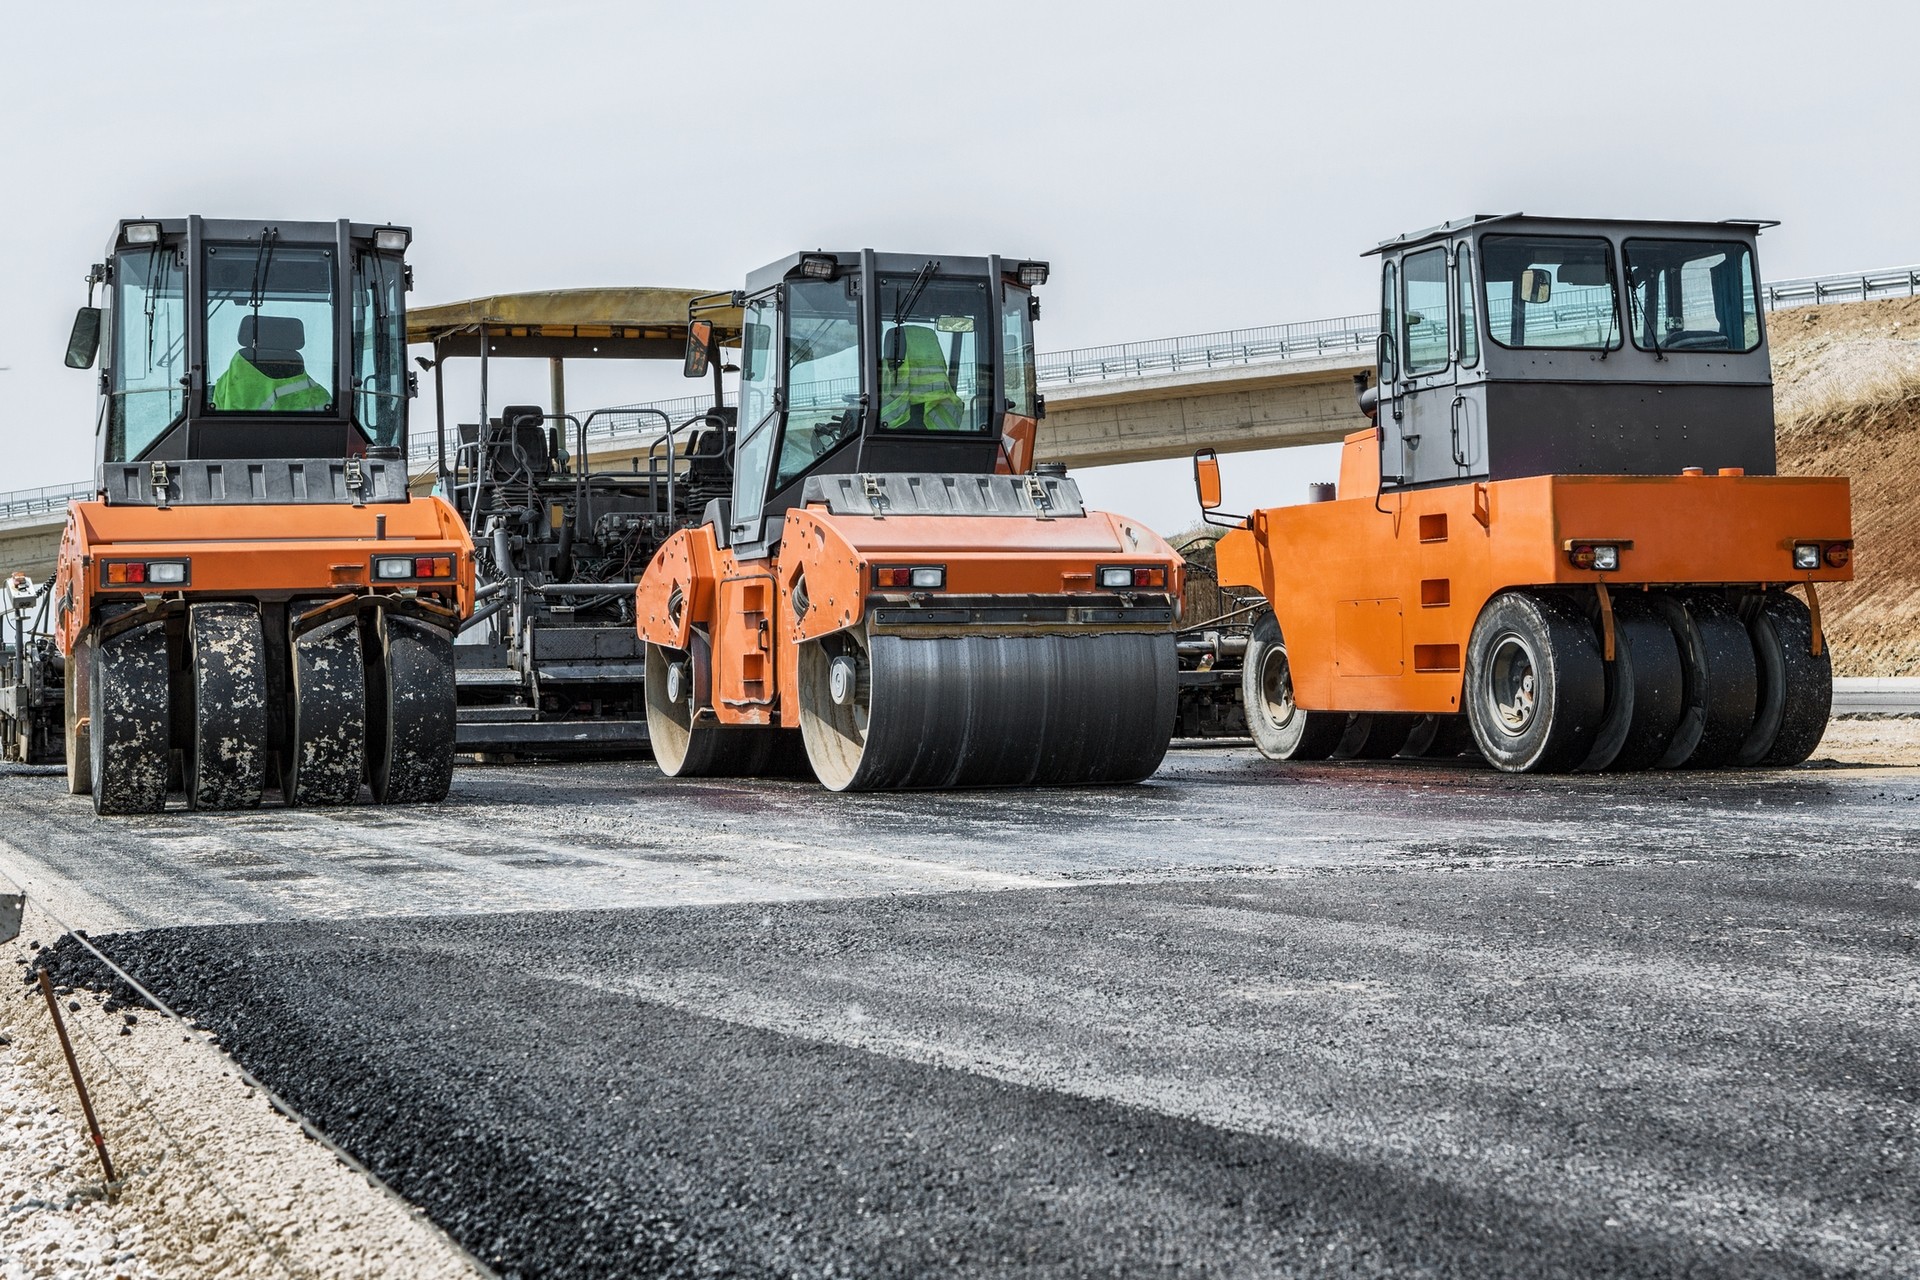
1377,594
822,578
258,553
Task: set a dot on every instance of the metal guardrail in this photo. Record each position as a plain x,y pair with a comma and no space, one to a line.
34,502
1891,282
1208,350
1157,356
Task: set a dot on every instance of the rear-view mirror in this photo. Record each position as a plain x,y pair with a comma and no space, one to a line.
699,348
1206,479
1536,285
83,344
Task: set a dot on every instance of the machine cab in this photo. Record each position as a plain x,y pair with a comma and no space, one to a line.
1514,346
244,361
877,362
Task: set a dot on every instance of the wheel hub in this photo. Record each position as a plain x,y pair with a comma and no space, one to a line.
842,681
1276,686
1511,680
676,682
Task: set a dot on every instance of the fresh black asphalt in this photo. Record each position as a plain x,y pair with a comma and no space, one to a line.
1678,1056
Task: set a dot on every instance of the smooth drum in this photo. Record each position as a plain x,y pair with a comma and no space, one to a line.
987,711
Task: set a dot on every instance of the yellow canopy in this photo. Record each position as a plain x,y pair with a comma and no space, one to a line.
618,323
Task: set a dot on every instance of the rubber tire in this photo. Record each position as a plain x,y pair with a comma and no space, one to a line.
1645,691
1299,735
689,744
412,719
225,764
1795,688
1570,686
130,739
323,759
79,717
1721,679
1376,735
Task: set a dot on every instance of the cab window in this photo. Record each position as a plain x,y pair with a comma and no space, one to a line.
1692,295
1016,341
936,354
759,349
1551,292
1469,330
823,373
270,310
149,351
1427,346
1389,324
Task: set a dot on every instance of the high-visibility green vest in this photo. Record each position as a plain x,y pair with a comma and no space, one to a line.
919,378
245,388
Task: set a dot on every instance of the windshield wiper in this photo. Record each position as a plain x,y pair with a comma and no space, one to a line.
907,299
262,262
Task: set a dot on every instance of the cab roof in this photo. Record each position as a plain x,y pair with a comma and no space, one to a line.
623,322
1521,222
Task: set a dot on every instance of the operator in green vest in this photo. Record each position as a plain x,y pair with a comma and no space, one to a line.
914,391
267,373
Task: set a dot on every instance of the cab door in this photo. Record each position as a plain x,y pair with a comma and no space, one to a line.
1418,422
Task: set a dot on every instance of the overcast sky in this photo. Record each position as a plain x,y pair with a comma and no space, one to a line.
1185,167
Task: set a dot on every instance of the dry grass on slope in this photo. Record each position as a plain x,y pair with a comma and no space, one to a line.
1847,395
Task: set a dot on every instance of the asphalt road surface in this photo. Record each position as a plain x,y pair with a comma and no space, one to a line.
1242,1020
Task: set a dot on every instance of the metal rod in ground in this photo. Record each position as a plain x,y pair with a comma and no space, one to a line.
73,1067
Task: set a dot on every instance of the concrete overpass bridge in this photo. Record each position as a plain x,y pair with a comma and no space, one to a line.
1232,390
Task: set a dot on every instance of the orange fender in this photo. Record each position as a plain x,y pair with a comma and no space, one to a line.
676,592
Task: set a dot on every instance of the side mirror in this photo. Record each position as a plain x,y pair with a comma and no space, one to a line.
699,348
83,344
1206,479
1536,285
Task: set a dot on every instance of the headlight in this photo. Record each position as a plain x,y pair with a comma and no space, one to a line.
173,571
1115,577
392,567
1806,555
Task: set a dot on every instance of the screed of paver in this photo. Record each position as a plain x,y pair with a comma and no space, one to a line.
212,1181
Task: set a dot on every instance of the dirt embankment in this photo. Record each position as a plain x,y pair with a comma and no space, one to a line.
1847,399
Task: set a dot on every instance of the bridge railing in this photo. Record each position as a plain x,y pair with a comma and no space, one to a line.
1158,356
35,502
1222,348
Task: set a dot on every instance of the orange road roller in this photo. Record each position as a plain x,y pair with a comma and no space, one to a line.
1563,543
252,599
894,596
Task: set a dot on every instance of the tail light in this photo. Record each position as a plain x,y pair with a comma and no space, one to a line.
140,573
1131,577
918,577
405,568
1839,555
1601,556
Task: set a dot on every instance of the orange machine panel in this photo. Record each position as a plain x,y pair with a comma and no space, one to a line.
676,592
1354,580
255,551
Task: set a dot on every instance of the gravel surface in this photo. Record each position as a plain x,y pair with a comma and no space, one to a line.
212,1182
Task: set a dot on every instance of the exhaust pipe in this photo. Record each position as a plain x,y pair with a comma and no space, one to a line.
1368,398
